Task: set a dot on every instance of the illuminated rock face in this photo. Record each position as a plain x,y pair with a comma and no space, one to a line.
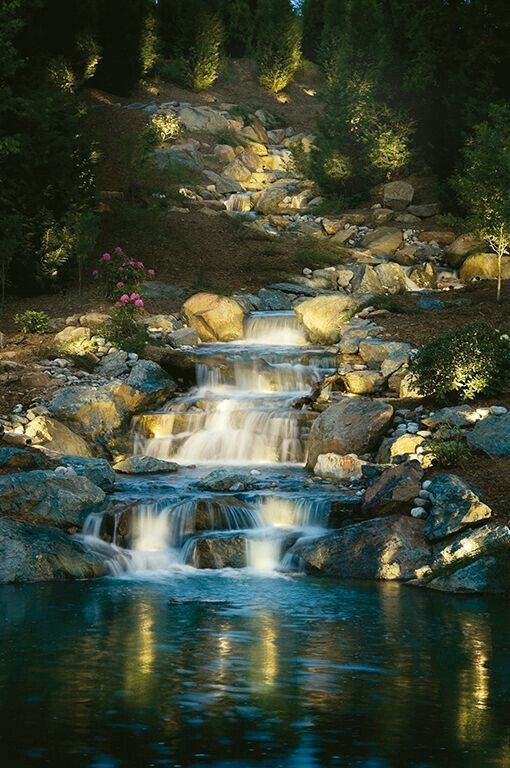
455,506
39,553
384,548
50,433
216,318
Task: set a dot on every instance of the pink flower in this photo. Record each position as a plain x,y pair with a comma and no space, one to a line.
139,303
95,273
118,249
125,298
106,257
139,264
151,272
134,296
120,284
118,303
120,269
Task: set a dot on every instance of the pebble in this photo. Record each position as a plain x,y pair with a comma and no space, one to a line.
498,410
413,428
133,357
420,502
424,494
419,512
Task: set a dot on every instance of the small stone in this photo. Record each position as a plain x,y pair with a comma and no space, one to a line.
413,428
498,410
419,512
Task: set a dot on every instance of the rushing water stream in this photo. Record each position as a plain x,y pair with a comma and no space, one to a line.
167,664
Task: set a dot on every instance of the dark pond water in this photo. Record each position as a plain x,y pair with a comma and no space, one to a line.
234,671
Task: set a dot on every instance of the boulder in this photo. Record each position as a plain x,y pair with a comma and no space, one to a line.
392,277
219,551
184,337
480,576
394,490
324,317
147,386
424,276
424,211
98,471
73,338
42,496
144,465
50,433
455,505
391,548
375,351
396,447
216,318
225,153
492,435
19,460
383,241
270,200
353,425
397,195
363,382
484,265
221,480
343,236
94,412
439,236
112,365
94,320
454,416
40,553
238,171
164,323
460,248
331,466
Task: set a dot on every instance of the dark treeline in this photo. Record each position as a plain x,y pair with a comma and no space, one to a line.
405,82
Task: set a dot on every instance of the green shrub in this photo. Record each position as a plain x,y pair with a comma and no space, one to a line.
472,360
169,71
447,447
279,56
31,321
124,332
166,126
300,162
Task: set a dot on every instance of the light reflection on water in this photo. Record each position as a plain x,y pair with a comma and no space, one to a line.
231,670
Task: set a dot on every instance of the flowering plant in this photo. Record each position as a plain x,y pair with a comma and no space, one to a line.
120,276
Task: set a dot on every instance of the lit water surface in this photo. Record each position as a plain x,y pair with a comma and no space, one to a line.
235,670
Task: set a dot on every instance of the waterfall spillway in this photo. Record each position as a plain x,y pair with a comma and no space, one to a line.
240,413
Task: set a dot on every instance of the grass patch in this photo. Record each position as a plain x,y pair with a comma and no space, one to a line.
316,253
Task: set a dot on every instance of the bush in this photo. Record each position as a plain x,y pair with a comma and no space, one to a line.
123,331
447,447
470,361
119,276
31,321
166,127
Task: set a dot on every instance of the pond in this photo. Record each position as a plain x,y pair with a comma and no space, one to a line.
233,669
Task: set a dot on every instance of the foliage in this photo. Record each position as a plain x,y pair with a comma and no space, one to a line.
237,20
166,126
119,277
32,321
201,64
124,331
149,45
482,182
447,447
301,161
278,50
472,360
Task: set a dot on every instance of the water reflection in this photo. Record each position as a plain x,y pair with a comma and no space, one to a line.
238,671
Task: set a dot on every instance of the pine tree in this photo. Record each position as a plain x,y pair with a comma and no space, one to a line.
278,44
237,20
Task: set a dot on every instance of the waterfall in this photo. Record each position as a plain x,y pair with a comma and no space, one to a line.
240,413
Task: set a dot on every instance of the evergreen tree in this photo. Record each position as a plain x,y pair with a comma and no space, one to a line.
278,44
237,20
312,12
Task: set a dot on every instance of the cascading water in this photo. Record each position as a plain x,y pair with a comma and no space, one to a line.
240,413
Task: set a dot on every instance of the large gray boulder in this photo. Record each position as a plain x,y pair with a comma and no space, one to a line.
45,497
398,195
324,317
219,551
98,471
394,490
456,505
221,480
39,553
19,460
144,465
353,425
492,435
384,548
478,576
383,241
216,318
